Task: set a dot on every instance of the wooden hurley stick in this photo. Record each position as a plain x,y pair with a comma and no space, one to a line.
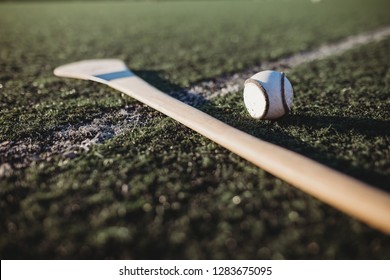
345,193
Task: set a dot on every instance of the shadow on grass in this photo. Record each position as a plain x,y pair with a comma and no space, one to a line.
155,78
364,126
345,125
342,125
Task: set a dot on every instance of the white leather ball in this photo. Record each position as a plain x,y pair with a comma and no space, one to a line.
268,95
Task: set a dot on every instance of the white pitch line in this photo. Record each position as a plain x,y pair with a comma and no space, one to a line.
72,140
234,82
68,141
336,48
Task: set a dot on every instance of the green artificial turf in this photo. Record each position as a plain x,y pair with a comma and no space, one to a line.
181,42
160,190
